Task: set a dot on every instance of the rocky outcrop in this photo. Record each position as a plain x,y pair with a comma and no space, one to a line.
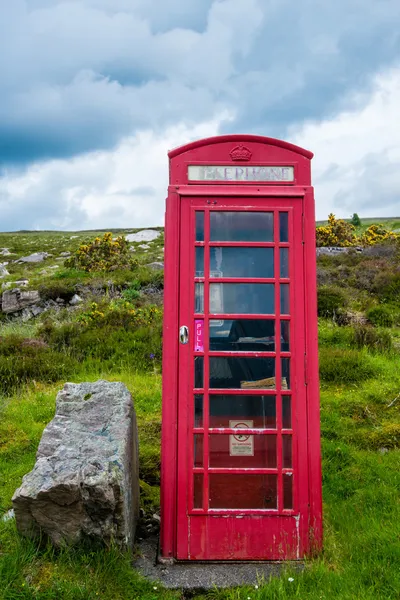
85,483
337,250
17,300
146,235
37,257
3,270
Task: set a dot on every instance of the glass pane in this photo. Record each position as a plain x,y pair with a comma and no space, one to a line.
198,449
261,410
241,226
285,373
283,227
198,410
287,451
199,226
245,298
199,271
285,299
285,336
198,372
242,372
241,450
242,335
286,412
287,490
199,298
198,490
244,490
241,262
284,260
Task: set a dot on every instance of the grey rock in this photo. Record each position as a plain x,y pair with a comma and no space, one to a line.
37,257
36,310
8,516
146,235
144,246
337,250
22,283
60,301
156,266
383,450
85,483
6,286
5,252
3,270
65,254
73,237
76,299
26,315
15,300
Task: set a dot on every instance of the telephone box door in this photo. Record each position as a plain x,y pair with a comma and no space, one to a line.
242,423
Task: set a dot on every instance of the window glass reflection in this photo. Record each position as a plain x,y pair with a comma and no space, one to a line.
199,298
245,298
242,335
198,410
285,336
285,300
283,227
285,373
287,451
199,268
199,226
242,451
260,410
242,490
241,226
198,490
198,372
198,450
287,490
242,373
284,260
286,412
241,262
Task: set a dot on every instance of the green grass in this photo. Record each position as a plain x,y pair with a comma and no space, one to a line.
359,421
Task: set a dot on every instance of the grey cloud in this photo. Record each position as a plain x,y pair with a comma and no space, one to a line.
80,75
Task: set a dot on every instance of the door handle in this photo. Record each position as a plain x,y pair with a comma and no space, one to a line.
184,334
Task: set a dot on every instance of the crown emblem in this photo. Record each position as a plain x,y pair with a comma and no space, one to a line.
240,153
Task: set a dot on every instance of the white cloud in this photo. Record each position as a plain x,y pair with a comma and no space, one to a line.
125,187
357,153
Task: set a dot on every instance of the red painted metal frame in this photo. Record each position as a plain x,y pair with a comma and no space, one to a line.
214,151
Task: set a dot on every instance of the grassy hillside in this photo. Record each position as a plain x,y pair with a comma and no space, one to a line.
115,333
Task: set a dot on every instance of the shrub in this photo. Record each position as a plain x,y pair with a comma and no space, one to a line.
355,220
24,360
366,336
331,301
338,232
377,234
102,254
345,366
380,316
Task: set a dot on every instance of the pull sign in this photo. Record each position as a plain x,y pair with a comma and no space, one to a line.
199,335
184,334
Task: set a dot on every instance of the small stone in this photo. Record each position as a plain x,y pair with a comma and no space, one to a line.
383,450
3,270
8,515
5,252
22,282
60,301
65,254
144,246
76,299
156,266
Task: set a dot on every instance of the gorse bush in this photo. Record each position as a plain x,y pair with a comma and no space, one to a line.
345,366
103,254
342,233
380,316
331,301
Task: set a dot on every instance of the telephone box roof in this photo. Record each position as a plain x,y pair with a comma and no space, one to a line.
239,138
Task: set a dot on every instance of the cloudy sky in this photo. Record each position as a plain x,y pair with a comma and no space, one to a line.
94,92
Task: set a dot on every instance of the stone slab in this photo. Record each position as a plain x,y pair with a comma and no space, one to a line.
198,577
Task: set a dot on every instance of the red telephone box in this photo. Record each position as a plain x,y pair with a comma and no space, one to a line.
241,470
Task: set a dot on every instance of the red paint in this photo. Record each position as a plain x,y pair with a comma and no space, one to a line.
221,501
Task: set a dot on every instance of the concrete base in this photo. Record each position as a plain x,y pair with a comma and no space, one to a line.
199,576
